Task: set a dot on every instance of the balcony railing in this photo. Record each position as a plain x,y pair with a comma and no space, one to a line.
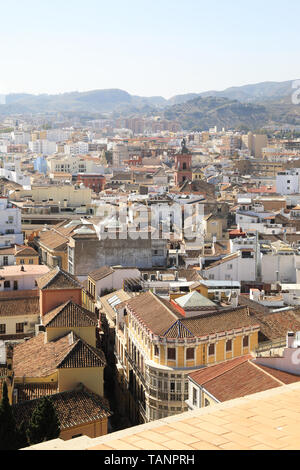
136,369
268,345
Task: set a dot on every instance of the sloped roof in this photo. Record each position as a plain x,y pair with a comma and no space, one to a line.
82,355
25,251
19,303
153,312
272,325
69,314
240,377
223,260
73,408
35,358
193,300
101,273
161,318
220,321
57,278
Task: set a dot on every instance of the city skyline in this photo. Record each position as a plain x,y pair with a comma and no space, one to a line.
160,50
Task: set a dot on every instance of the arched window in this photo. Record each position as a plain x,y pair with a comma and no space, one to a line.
184,166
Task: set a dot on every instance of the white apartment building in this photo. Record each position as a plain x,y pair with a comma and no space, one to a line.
239,266
120,154
20,138
288,182
78,148
58,135
43,147
280,266
72,164
10,224
12,172
14,278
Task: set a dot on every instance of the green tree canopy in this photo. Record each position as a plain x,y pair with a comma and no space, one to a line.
44,424
8,435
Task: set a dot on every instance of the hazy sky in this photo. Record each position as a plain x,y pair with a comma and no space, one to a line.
153,47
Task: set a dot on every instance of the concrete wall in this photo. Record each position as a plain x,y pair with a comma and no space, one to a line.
91,254
116,279
11,321
92,430
90,377
52,298
88,334
285,265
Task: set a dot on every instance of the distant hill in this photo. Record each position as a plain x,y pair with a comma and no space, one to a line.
95,101
264,91
204,113
251,106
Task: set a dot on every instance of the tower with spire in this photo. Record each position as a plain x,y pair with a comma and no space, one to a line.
183,165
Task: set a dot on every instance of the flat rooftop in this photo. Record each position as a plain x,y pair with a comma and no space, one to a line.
264,421
29,270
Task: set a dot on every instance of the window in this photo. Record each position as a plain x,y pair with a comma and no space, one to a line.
156,351
206,403
227,277
22,261
211,277
2,329
195,396
19,327
211,350
229,345
5,260
15,285
246,342
190,354
31,261
6,284
229,266
172,354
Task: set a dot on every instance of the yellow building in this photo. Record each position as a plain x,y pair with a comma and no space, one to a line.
26,255
213,227
61,358
80,413
197,174
157,348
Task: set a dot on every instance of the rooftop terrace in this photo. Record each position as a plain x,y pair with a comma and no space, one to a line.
265,421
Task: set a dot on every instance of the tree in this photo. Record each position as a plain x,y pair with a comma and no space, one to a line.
44,423
8,435
22,440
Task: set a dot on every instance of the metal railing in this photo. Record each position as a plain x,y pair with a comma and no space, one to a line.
268,345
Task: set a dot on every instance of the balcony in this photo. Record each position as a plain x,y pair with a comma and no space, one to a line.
136,369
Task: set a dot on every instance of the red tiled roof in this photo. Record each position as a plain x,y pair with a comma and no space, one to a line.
240,377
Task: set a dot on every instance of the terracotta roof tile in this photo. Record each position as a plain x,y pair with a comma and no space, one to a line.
35,358
73,408
19,303
70,314
101,273
160,317
57,278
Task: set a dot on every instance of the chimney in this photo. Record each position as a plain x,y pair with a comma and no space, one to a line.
291,339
